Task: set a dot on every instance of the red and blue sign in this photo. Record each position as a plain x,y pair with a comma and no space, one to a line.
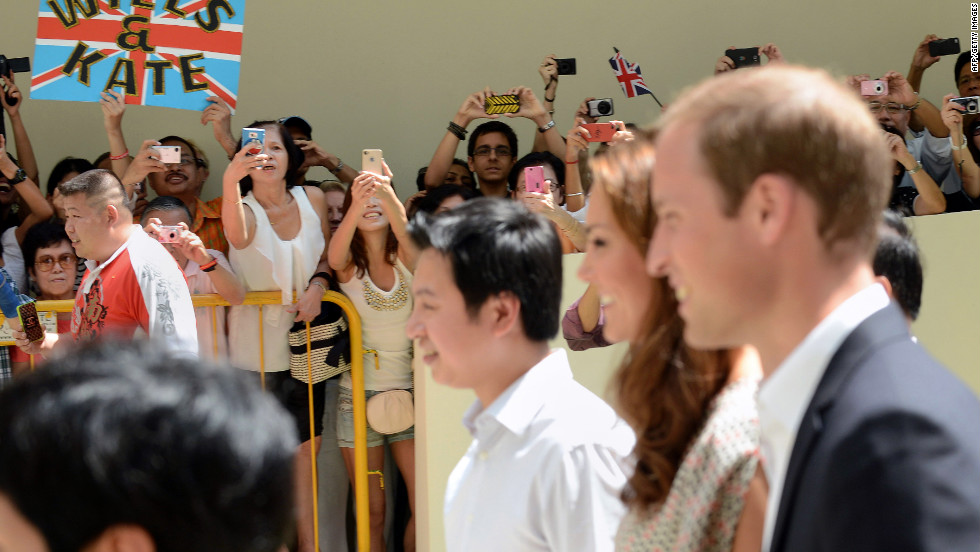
168,53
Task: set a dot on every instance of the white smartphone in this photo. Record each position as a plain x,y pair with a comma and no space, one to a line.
371,160
168,154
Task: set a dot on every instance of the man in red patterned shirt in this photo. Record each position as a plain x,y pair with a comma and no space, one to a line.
132,287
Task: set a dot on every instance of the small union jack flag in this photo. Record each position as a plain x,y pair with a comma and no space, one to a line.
173,55
628,75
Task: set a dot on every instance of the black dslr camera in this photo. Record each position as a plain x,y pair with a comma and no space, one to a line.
9,66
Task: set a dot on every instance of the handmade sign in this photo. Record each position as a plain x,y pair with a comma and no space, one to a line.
170,53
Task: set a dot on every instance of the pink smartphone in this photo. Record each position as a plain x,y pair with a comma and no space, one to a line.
534,179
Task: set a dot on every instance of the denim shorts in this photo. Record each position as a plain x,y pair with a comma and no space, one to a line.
345,423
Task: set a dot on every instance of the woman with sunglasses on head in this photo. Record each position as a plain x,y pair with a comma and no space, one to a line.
51,264
695,486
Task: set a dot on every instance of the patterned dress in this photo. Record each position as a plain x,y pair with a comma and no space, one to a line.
705,501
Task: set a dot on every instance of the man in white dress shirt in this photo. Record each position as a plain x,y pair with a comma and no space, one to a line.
769,187
546,465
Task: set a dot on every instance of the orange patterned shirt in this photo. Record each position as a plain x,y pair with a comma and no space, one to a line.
207,225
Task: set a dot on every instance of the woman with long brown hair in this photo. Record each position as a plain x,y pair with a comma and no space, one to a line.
695,485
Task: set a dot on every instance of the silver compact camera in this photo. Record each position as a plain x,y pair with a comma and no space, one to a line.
970,103
600,108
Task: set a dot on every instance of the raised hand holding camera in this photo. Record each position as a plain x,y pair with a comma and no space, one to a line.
146,161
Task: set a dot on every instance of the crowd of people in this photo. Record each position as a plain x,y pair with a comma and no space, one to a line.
740,238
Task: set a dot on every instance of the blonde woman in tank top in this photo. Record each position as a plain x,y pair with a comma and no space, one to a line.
374,258
277,235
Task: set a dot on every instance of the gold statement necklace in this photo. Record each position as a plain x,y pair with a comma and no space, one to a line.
380,302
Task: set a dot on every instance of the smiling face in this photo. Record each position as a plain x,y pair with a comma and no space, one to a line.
706,256
449,340
87,227
614,265
373,218
183,179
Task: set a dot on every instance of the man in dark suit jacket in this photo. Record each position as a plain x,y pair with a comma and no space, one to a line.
769,186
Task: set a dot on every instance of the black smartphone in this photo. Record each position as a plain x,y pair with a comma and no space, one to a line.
566,66
507,103
744,57
944,47
27,313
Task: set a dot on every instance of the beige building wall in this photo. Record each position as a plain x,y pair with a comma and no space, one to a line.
390,75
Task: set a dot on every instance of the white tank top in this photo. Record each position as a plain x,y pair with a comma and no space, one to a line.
269,263
383,318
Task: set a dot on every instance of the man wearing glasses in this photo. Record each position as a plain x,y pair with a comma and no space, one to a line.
902,111
492,148
183,180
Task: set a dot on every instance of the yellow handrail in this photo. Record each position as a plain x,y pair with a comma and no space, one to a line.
357,377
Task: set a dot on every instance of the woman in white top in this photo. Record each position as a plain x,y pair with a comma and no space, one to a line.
277,235
374,258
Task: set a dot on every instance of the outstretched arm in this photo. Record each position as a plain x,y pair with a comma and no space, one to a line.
25,151
442,159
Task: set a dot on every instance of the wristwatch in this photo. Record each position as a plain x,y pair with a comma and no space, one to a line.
545,128
19,176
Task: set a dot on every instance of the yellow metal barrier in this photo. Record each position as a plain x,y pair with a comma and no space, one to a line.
261,298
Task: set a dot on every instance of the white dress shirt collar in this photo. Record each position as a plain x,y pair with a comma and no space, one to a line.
786,393
516,407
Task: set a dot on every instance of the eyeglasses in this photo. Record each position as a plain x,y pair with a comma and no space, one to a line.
484,151
187,162
66,260
891,107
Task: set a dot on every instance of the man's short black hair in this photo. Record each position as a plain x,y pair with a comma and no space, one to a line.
100,187
164,204
536,159
492,126
498,246
130,434
43,234
897,259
